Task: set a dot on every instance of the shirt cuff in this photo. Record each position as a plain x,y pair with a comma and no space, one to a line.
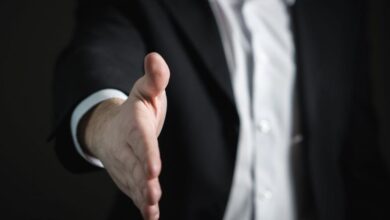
81,109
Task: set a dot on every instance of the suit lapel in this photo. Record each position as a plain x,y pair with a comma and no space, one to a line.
327,45
196,20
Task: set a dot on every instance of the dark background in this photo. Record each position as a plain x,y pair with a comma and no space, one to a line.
33,185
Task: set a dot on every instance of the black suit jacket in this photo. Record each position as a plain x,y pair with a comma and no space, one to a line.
346,172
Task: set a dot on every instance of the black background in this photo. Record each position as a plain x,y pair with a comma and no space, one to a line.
33,185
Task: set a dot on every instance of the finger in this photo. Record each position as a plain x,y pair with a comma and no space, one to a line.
145,193
151,212
152,192
156,77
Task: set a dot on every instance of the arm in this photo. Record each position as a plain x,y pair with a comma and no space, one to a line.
107,51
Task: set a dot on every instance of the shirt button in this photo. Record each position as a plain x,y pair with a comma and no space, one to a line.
297,139
264,195
263,126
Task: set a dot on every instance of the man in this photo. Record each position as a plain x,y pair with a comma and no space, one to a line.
221,148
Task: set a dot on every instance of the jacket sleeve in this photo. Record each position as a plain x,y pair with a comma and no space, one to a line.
106,51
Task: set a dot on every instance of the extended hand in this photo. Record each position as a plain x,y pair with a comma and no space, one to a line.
123,135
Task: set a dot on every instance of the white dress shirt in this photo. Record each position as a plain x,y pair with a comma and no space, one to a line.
257,40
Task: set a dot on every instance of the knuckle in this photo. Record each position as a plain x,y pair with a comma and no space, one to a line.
154,167
149,211
153,192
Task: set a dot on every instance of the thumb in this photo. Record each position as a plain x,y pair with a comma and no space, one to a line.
156,77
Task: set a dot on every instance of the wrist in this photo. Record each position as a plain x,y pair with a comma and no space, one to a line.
96,125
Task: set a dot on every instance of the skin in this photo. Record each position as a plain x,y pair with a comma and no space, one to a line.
123,135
